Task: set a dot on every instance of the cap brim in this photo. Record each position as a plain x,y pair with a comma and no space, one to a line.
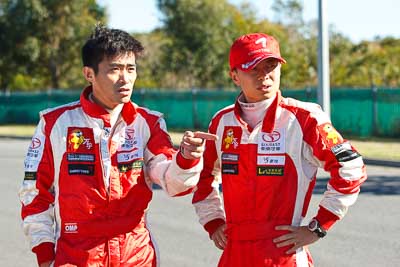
258,60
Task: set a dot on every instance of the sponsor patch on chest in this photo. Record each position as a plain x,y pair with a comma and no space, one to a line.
270,171
124,167
272,143
80,140
81,169
229,168
231,138
80,157
270,160
230,157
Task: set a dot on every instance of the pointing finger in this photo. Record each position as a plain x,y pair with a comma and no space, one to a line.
206,136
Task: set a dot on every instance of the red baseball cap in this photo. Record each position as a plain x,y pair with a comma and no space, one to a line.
250,49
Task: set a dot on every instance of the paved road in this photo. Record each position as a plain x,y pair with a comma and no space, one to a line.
368,236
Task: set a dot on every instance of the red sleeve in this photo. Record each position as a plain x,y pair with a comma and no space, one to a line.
44,252
204,187
326,218
186,163
213,225
44,177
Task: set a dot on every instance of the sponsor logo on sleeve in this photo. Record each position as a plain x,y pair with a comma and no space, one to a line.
34,154
344,152
30,176
330,136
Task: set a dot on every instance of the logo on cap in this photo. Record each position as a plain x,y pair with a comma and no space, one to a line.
248,50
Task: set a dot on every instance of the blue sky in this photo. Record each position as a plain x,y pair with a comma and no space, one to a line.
356,19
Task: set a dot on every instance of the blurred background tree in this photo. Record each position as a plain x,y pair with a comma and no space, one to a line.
40,44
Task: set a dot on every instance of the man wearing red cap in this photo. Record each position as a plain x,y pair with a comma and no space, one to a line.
267,157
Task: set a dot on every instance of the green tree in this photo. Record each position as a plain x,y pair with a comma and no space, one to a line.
150,66
41,41
340,50
200,37
298,47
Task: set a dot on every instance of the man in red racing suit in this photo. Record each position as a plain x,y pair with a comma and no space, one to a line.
91,165
267,157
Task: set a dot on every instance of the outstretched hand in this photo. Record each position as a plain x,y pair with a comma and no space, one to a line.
298,237
193,144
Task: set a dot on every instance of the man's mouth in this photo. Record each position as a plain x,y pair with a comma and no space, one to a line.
264,87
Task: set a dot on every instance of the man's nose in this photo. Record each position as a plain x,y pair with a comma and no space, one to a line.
262,74
124,75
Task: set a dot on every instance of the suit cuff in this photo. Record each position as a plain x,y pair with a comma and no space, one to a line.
185,163
326,218
213,225
44,252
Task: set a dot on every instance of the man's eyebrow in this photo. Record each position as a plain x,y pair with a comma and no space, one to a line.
114,64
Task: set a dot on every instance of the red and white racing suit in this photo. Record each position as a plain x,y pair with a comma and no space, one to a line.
268,174
88,184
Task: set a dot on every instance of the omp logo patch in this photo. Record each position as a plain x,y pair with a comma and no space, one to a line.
70,228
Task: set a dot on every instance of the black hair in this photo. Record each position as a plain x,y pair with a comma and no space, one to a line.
108,42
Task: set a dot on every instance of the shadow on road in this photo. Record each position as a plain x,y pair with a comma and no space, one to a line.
375,185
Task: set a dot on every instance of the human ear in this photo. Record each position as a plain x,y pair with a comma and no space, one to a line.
235,77
88,73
